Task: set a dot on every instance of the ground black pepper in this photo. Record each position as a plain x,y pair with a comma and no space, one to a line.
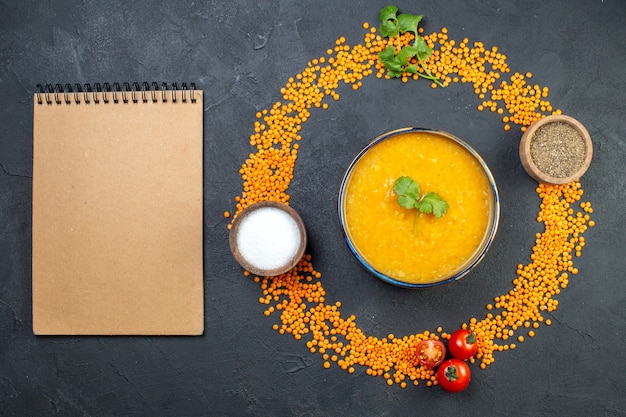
558,149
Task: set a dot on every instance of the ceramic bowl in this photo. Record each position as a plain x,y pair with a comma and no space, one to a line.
526,155
270,244
477,255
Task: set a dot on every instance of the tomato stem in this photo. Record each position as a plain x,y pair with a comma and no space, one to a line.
451,374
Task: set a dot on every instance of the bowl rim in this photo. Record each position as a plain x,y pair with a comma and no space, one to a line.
529,164
232,238
476,257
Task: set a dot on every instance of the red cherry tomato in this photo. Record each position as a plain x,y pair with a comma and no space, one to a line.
462,344
431,352
453,375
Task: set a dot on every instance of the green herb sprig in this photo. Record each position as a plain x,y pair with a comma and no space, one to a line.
392,25
409,197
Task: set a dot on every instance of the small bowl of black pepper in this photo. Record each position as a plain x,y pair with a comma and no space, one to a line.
556,149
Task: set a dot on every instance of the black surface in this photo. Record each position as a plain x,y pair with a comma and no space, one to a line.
241,53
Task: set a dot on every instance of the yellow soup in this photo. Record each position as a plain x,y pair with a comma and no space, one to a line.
410,247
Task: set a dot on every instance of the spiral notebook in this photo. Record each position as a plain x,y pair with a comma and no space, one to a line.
117,210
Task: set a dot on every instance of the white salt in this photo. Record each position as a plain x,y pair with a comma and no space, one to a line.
268,238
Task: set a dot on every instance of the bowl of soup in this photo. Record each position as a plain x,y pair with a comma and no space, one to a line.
407,247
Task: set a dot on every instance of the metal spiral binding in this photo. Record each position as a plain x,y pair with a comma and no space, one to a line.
127,92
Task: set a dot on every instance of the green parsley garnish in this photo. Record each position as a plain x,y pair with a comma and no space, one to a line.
392,25
408,192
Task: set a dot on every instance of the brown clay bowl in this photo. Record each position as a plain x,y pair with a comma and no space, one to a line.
527,159
288,264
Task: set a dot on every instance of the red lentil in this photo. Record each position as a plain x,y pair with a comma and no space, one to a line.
298,297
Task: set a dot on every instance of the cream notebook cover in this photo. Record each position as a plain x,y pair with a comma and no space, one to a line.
117,211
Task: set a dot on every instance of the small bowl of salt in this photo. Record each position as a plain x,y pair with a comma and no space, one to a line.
268,238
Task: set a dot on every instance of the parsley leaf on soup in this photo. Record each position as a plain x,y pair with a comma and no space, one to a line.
408,192
433,203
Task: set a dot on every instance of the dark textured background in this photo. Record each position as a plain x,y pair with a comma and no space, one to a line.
241,53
